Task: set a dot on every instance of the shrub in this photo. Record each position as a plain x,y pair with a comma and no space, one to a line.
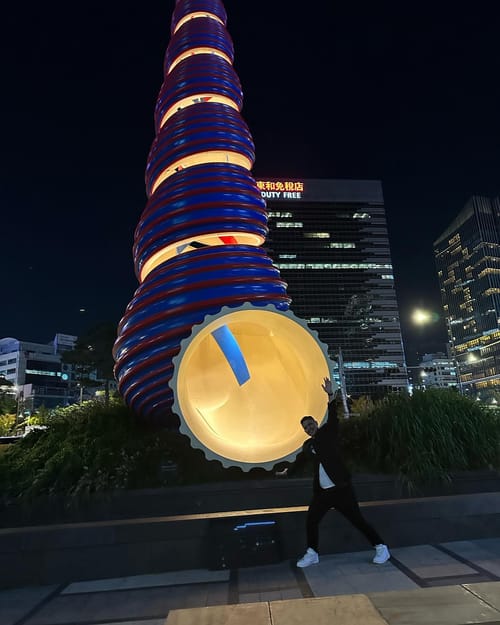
90,448
93,448
7,424
429,434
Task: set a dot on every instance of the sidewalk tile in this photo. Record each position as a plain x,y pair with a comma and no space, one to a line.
446,605
487,591
347,610
427,562
147,622
18,602
354,573
243,614
171,578
119,605
484,553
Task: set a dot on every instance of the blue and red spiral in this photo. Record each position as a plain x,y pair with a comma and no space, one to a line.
196,246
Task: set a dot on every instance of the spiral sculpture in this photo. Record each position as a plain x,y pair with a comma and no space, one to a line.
208,334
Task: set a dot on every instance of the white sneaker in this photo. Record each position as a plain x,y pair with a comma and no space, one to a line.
382,554
310,557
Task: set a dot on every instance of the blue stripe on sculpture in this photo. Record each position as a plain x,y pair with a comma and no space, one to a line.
152,305
178,213
177,295
205,127
208,73
194,180
196,199
205,187
158,238
202,199
192,271
229,346
199,33
197,6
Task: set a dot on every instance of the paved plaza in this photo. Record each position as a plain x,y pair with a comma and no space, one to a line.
449,583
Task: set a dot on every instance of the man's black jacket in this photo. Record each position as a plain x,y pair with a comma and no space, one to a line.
324,448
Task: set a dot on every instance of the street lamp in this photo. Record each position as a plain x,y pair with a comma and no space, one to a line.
19,391
421,317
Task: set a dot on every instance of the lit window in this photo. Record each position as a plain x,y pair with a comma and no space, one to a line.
334,266
316,235
361,216
342,246
371,365
289,224
52,374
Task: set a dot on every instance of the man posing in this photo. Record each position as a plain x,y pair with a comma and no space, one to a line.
332,486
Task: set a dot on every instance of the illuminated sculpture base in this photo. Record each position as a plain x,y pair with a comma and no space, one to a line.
243,380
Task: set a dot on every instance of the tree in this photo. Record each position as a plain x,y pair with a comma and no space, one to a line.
93,356
7,397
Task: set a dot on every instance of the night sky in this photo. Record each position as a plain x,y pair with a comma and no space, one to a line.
407,93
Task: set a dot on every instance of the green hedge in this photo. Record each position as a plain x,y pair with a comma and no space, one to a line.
91,448
424,436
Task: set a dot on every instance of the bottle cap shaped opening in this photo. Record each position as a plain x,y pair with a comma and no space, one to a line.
243,380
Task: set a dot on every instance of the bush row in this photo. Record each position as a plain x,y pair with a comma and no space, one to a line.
91,448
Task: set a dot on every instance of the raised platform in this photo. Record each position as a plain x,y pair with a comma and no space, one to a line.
222,497
62,553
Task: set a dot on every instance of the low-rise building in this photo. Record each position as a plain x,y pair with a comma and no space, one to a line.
38,374
437,371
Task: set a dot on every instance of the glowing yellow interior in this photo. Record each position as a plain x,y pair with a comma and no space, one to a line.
259,421
200,50
241,238
194,15
195,99
200,158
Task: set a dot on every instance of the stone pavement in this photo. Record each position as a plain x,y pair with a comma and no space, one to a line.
449,583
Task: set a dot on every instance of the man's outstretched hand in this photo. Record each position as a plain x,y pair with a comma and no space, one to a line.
327,386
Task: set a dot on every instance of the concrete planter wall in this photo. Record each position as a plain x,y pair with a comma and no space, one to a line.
192,527
222,497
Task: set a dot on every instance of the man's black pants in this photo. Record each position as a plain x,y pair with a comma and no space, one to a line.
343,499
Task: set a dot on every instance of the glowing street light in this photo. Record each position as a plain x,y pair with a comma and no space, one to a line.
422,317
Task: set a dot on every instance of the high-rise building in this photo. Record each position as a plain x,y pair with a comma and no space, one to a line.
329,240
468,264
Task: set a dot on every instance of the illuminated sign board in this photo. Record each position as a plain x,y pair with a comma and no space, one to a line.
281,189
316,190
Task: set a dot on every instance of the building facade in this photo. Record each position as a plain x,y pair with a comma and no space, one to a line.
37,372
467,258
329,240
436,371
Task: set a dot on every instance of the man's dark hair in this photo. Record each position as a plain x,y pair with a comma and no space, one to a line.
305,419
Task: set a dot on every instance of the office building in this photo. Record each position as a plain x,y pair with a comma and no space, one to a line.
329,240
39,377
437,371
36,371
467,258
